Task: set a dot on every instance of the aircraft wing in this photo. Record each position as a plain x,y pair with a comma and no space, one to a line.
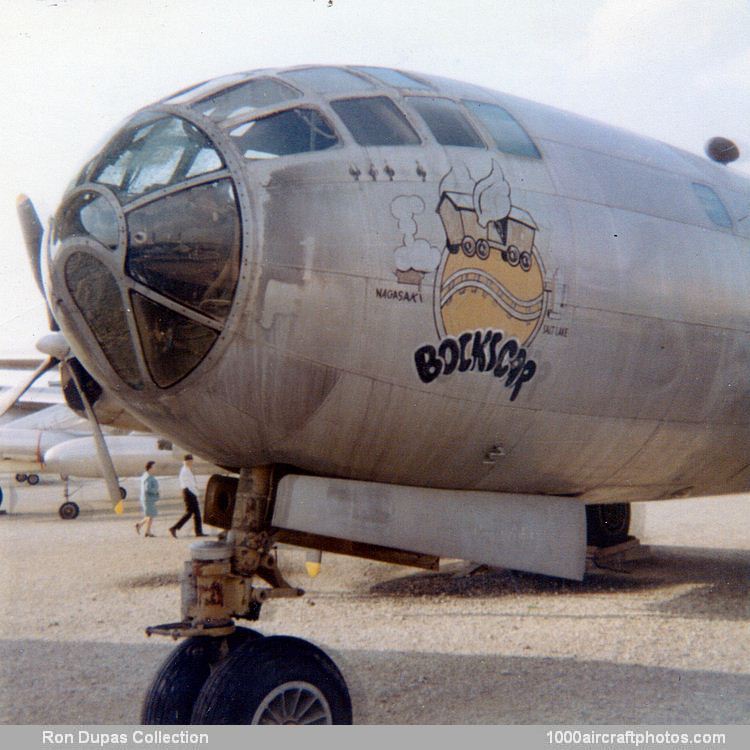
53,417
20,363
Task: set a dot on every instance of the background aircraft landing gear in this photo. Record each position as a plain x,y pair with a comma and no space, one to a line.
69,510
175,688
31,479
607,524
276,680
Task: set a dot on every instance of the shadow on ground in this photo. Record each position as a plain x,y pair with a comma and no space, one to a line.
45,682
720,582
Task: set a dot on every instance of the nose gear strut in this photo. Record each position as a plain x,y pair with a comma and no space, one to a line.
237,676
217,583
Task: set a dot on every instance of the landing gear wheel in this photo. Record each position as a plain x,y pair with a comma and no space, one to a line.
20,478
607,525
123,493
177,684
33,479
277,680
69,510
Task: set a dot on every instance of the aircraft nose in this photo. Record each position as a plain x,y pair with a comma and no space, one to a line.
145,251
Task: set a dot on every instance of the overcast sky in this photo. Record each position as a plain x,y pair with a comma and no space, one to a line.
71,70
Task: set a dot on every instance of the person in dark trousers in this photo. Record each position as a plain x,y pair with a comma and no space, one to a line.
190,496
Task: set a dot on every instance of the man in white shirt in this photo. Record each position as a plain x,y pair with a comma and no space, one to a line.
190,496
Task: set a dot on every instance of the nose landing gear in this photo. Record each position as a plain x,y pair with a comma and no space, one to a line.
177,684
223,674
275,680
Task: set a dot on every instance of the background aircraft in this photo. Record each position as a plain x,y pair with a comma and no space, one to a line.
38,398
420,317
53,439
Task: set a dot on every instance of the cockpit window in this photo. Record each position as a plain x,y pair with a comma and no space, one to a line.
712,205
446,121
154,155
508,135
201,89
244,98
294,131
375,121
187,247
392,77
327,80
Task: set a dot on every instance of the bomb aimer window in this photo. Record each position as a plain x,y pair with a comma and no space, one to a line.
508,135
97,296
294,131
173,345
375,121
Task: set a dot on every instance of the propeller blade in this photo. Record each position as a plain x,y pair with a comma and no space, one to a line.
105,460
33,232
11,396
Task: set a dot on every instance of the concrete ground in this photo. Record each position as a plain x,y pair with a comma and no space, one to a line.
663,640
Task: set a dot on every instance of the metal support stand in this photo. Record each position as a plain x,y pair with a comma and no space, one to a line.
616,557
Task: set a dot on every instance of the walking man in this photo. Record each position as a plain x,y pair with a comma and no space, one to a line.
190,496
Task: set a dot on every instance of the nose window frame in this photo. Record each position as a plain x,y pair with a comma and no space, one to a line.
187,246
152,154
214,322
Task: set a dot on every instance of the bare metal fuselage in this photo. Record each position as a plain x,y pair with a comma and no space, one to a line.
364,341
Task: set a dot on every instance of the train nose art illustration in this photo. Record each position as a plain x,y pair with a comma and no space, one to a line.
490,296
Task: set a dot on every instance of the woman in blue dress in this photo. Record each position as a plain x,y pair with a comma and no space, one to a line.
149,498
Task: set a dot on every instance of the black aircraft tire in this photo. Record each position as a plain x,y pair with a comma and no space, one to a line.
20,478
279,680
33,479
176,686
123,493
607,524
69,510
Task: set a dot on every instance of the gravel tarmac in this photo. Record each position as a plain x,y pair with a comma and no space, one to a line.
661,640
